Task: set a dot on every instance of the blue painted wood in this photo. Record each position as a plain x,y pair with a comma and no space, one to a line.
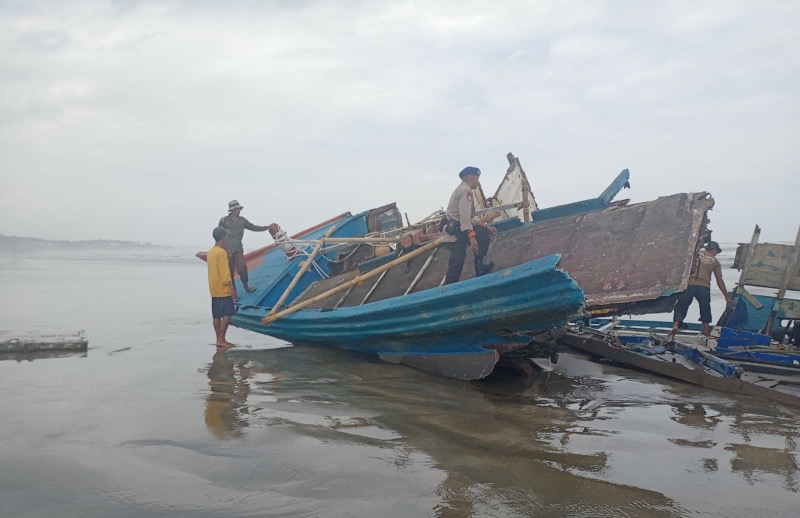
734,338
761,354
460,318
615,187
277,272
580,207
657,325
734,345
746,317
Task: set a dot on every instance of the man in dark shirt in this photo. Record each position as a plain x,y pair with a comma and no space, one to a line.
236,225
705,263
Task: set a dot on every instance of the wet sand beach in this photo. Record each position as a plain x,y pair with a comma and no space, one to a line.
154,421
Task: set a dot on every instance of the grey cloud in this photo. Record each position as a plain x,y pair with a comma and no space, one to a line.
163,111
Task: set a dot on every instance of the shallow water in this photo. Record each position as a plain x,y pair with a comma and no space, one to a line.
152,422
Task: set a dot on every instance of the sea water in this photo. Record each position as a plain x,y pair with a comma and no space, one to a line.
153,421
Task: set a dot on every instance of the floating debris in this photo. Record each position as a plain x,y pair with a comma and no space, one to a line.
75,342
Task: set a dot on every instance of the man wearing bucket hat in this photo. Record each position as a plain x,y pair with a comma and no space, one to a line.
466,228
705,263
235,224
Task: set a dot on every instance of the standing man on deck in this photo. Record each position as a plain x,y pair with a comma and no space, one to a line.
220,284
466,228
236,225
705,262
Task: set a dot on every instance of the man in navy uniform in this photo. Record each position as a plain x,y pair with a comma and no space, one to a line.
466,228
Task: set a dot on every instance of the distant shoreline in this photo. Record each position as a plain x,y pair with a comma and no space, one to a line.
16,244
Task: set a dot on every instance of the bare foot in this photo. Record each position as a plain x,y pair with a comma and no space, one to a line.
250,289
227,344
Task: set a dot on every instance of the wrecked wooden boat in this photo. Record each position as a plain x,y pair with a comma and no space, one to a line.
635,345
386,297
772,315
759,331
754,351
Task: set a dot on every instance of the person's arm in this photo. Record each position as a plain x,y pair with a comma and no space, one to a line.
254,228
224,270
478,222
721,283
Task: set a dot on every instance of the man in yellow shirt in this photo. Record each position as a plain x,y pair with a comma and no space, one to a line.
220,285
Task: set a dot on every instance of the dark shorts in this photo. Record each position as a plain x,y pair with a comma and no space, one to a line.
222,307
703,296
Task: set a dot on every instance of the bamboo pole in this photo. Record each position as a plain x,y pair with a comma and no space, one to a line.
373,240
377,240
357,280
302,271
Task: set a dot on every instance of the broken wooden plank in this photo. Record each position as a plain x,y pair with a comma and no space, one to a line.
768,266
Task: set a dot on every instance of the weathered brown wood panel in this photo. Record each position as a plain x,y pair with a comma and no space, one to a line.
768,265
621,255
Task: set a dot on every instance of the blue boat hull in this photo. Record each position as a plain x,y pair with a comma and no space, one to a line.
457,330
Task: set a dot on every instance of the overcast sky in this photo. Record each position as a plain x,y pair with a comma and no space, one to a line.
138,120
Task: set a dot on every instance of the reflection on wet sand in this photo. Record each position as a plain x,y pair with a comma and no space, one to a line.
750,459
695,415
493,440
578,442
226,402
41,355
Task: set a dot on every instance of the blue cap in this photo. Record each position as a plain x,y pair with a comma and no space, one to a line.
219,232
469,171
